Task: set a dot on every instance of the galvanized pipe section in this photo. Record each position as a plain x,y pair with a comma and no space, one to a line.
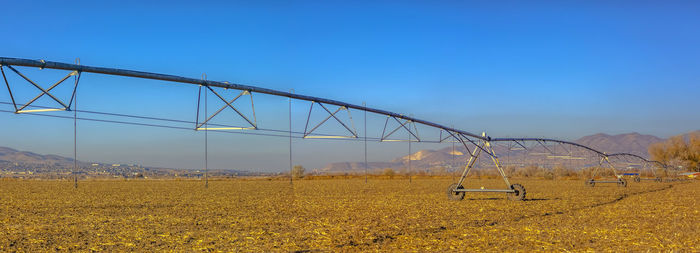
548,140
227,85
662,165
599,153
178,79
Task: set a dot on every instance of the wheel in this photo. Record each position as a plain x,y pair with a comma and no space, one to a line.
622,182
590,182
658,180
519,193
452,194
637,179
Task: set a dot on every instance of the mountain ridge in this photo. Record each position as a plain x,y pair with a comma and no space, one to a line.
27,157
634,143
16,163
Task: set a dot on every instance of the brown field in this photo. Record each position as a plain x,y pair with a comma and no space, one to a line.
345,215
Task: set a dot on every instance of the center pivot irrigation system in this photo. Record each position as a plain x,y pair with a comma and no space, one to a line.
474,144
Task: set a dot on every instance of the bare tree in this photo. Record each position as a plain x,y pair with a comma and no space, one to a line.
298,171
678,150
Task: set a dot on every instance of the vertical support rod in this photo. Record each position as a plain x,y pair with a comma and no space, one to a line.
571,160
75,141
409,158
366,165
508,161
453,159
290,141
206,142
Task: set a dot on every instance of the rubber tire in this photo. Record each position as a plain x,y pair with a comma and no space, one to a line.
452,195
519,193
637,179
622,182
658,180
590,183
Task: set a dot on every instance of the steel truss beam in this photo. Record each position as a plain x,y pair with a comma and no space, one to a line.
447,137
204,82
227,104
411,124
458,189
644,165
618,178
7,61
481,142
21,109
519,144
307,134
541,142
602,155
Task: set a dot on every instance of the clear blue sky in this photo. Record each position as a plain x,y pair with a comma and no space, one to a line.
554,69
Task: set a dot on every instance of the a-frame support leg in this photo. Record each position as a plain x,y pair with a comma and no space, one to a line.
456,191
470,163
619,180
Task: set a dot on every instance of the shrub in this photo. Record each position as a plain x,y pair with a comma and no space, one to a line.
389,172
679,151
298,171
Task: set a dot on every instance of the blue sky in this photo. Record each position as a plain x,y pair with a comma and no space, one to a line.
560,70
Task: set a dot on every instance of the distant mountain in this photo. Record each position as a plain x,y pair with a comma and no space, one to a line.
15,161
15,156
633,143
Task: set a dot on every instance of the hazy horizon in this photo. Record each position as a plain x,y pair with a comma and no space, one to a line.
556,70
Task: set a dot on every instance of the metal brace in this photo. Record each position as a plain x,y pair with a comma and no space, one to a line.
47,92
229,104
410,124
307,134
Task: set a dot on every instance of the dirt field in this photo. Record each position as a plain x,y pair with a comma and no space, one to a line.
345,215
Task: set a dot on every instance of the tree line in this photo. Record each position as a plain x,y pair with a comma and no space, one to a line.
680,150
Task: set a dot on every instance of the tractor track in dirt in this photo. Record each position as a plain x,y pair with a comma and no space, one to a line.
618,199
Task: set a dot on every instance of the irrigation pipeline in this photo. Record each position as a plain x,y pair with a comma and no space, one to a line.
456,133
285,135
226,85
161,125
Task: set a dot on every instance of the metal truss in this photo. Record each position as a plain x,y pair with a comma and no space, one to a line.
308,134
644,165
478,143
227,104
21,108
457,191
449,138
412,130
618,178
540,144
